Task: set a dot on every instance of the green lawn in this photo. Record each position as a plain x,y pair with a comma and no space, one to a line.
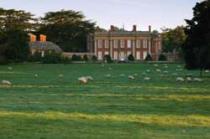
50,107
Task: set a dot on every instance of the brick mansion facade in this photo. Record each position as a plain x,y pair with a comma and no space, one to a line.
120,44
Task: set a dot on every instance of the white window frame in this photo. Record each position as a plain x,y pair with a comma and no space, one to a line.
115,43
145,44
138,45
133,43
100,42
106,43
129,44
122,43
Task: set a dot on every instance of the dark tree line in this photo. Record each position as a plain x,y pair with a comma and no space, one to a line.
197,44
173,39
14,25
68,29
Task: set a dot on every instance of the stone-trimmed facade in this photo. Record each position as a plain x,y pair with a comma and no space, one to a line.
120,44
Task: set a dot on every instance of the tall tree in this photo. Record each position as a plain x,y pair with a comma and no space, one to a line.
68,29
16,20
197,45
14,45
14,26
173,39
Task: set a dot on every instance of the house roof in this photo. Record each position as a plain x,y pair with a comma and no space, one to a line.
125,33
45,46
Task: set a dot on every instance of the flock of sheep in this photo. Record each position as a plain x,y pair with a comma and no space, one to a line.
87,79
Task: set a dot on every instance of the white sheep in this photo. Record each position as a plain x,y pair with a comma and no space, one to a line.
144,74
156,65
197,80
148,70
36,75
166,66
147,78
180,79
174,74
178,69
5,82
10,68
207,71
162,75
189,79
179,66
131,77
108,75
158,70
83,80
60,75
165,71
136,74
89,78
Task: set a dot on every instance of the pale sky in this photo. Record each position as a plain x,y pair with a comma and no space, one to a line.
158,13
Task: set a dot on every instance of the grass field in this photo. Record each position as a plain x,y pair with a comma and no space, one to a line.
51,107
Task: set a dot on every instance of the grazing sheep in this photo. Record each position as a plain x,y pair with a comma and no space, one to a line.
165,71
89,78
148,70
36,75
83,80
158,70
10,68
197,80
136,74
179,66
165,66
60,75
156,65
179,69
108,75
144,74
189,79
174,74
5,82
180,79
131,77
162,75
207,71
147,78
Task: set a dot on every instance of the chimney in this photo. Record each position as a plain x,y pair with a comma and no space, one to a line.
111,28
43,38
134,28
150,28
32,37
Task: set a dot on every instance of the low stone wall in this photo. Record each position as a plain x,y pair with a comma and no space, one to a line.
172,57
